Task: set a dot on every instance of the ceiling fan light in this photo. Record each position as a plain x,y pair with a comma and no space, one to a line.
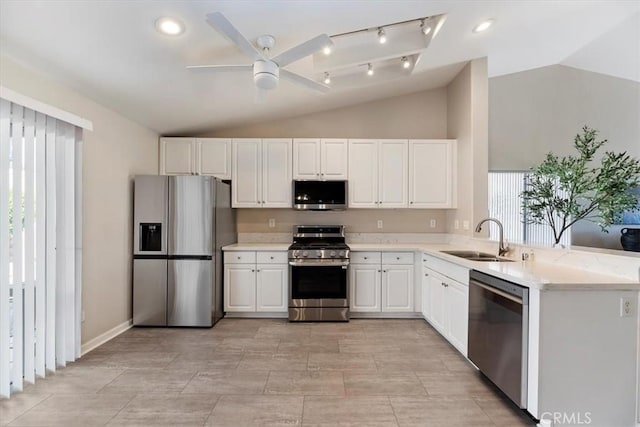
327,78
382,36
483,26
266,74
169,26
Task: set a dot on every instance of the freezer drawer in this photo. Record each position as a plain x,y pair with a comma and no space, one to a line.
190,285
150,292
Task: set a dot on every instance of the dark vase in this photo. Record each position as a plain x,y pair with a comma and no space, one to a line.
630,239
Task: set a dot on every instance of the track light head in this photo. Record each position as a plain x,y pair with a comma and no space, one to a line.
406,63
369,69
327,78
382,36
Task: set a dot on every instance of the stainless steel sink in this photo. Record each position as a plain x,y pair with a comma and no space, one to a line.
477,256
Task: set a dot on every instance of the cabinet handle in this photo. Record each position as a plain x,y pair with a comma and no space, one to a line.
426,274
270,257
366,258
252,270
257,271
384,271
398,258
238,257
379,271
410,203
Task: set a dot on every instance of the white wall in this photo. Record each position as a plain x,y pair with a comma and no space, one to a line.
537,111
116,150
467,108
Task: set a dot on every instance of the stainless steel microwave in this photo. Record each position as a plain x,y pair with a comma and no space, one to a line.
320,195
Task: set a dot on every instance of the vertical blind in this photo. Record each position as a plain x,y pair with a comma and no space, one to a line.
40,251
505,204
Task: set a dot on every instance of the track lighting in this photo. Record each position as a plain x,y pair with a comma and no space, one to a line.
326,50
327,79
382,36
426,29
369,69
405,62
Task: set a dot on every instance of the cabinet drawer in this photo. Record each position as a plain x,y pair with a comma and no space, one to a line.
397,257
446,268
240,257
272,257
365,258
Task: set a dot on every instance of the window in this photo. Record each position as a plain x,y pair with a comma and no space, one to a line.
40,228
505,204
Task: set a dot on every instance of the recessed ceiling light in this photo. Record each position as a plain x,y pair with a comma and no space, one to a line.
169,26
483,26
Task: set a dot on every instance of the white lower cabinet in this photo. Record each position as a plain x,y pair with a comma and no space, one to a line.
256,282
381,282
445,304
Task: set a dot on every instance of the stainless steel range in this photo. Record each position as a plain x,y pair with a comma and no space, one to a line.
318,274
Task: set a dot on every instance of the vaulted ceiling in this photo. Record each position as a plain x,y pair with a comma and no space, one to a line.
110,51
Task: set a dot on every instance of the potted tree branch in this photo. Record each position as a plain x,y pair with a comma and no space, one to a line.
563,190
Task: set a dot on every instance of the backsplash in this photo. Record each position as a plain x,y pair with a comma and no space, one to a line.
354,220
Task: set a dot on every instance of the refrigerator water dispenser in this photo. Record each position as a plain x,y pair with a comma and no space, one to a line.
150,236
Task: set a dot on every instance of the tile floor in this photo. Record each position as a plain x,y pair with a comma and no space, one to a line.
268,372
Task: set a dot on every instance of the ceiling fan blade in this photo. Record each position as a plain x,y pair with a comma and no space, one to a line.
218,21
303,49
221,67
260,96
303,81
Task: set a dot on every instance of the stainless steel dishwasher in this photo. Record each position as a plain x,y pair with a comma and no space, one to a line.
499,332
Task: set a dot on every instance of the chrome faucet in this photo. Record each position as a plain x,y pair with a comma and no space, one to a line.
502,249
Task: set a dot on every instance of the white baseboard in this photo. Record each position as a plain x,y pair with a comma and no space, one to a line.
378,315
255,315
103,338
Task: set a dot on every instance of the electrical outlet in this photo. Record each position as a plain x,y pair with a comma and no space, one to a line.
465,224
625,307
379,223
456,224
432,223
272,223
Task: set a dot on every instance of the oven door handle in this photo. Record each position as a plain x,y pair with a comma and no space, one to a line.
498,292
319,263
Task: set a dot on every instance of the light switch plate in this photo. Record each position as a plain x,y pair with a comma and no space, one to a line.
272,223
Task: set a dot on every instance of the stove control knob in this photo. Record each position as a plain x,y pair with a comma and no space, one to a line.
341,253
318,254
305,253
332,254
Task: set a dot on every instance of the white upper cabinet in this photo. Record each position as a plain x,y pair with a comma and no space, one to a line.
432,174
378,173
261,173
392,173
213,157
196,156
276,173
177,156
246,173
315,158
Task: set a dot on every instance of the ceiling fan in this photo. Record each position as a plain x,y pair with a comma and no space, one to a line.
266,71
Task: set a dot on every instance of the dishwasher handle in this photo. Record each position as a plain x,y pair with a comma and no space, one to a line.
503,294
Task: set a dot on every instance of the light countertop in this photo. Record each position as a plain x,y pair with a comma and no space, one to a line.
532,274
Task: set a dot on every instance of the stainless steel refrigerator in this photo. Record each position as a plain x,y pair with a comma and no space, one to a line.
180,225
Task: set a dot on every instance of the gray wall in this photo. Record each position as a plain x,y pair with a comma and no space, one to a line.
537,111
